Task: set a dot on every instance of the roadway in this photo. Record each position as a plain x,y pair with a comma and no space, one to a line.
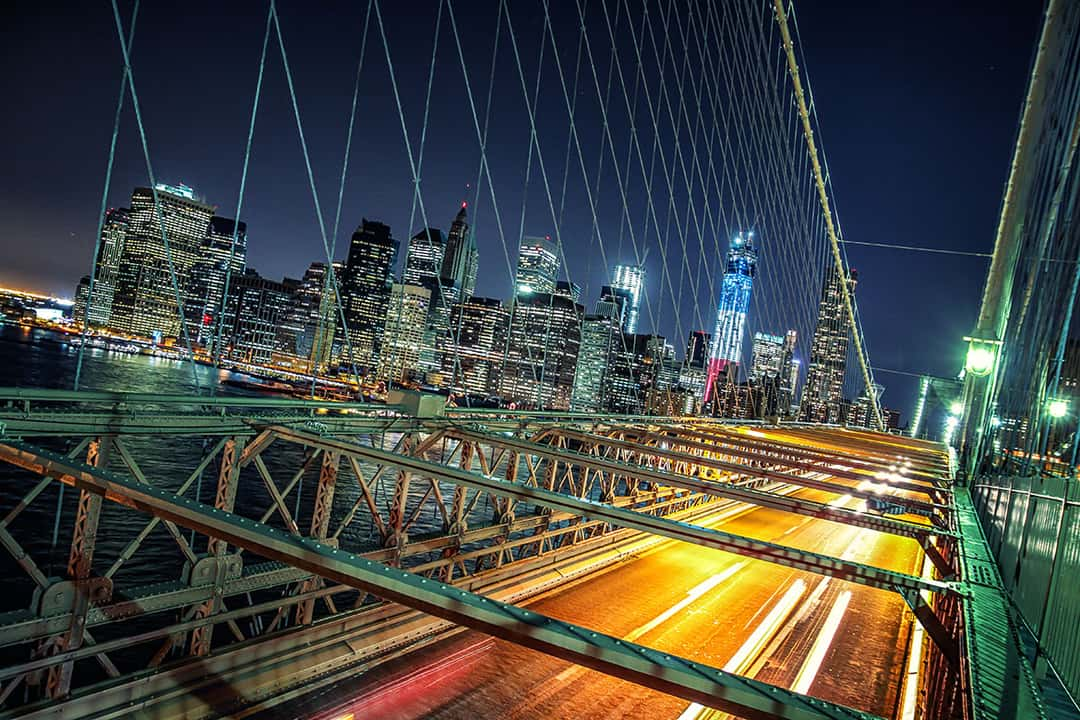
835,640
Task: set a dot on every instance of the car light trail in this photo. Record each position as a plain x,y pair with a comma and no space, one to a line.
822,643
691,595
757,640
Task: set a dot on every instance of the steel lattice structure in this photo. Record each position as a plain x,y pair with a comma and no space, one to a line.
473,503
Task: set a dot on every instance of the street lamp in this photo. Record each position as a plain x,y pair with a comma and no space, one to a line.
957,408
1057,408
981,356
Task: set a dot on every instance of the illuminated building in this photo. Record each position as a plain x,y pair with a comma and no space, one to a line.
206,284
253,314
697,349
308,329
473,358
629,375
767,356
538,266
599,336
424,265
793,383
145,297
731,312
773,373
824,388
630,278
365,290
403,336
789,373
461,259
861,413
542,355
82,296
569,290
106,266
614,302
424,259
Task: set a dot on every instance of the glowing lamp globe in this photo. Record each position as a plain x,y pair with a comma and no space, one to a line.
980,360
1058,408
957,408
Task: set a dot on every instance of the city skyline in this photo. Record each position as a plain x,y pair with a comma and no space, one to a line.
411,319
52,211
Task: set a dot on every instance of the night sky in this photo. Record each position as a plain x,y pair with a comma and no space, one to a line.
918,104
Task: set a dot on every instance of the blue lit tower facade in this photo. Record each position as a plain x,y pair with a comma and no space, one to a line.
735,292
630,278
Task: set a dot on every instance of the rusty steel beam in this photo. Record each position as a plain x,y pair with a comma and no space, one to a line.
626,660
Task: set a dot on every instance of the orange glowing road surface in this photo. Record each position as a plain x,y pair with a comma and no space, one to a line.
839,641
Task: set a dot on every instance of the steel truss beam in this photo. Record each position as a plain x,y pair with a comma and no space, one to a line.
790,478
927,537
762,498
776,456
629,661
808,451
21,626
758,549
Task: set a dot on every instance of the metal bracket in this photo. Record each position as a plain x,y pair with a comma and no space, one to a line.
942,637
210,569
59,597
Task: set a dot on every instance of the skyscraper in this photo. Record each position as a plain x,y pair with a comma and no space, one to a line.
404,333
424,265
461,261
731,312
538,266
614,302
145,299
307,330
473,359
697,349
107,264
542,355
793,383
206,284
628,379
253,314
569,290
424,259
365,289
599,335
789,373
630,278
768,356
824,388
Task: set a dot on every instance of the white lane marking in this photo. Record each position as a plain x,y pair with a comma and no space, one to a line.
753,645
842,500
768,627
691,595
822,643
